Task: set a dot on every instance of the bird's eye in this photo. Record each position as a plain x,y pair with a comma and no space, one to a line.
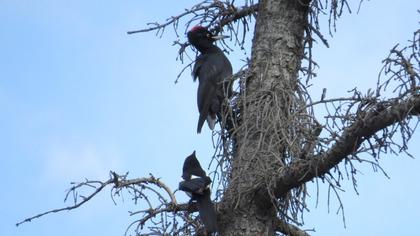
208,35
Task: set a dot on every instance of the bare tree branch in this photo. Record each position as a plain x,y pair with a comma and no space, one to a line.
236,15
98,189
136,187
304,170
226,11
289,229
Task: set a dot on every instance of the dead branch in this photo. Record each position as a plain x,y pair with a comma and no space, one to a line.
351,139
289,229
77,204
174,19
226,13
150,190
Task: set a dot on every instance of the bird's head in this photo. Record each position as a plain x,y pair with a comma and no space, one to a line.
201,38
192,167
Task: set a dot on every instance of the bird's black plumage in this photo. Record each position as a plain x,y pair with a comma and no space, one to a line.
213,70
196,185
192,167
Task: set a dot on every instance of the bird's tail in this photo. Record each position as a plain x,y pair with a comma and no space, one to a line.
211,121
201,120
207,212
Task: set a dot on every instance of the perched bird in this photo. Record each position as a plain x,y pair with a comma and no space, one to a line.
196,185
192,168
213,70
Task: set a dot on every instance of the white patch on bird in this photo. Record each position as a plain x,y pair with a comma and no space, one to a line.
195,177
211,122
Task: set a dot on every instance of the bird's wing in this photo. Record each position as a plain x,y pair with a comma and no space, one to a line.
208,74
206,97
198,188
212,71
197,65
195,186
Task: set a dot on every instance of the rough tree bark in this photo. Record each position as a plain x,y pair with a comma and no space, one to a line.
277,50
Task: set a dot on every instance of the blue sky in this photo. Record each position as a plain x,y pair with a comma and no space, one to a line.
80,97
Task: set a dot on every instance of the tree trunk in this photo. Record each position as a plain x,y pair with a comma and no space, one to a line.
263,138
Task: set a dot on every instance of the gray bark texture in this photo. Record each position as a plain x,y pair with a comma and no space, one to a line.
277,50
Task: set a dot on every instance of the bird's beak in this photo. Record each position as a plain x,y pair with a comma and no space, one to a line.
217,37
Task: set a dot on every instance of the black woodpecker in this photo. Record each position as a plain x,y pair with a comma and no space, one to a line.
196,185
213,70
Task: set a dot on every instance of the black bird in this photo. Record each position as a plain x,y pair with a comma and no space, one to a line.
213,70
196,185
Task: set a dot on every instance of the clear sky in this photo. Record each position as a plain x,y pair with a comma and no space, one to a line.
80,97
